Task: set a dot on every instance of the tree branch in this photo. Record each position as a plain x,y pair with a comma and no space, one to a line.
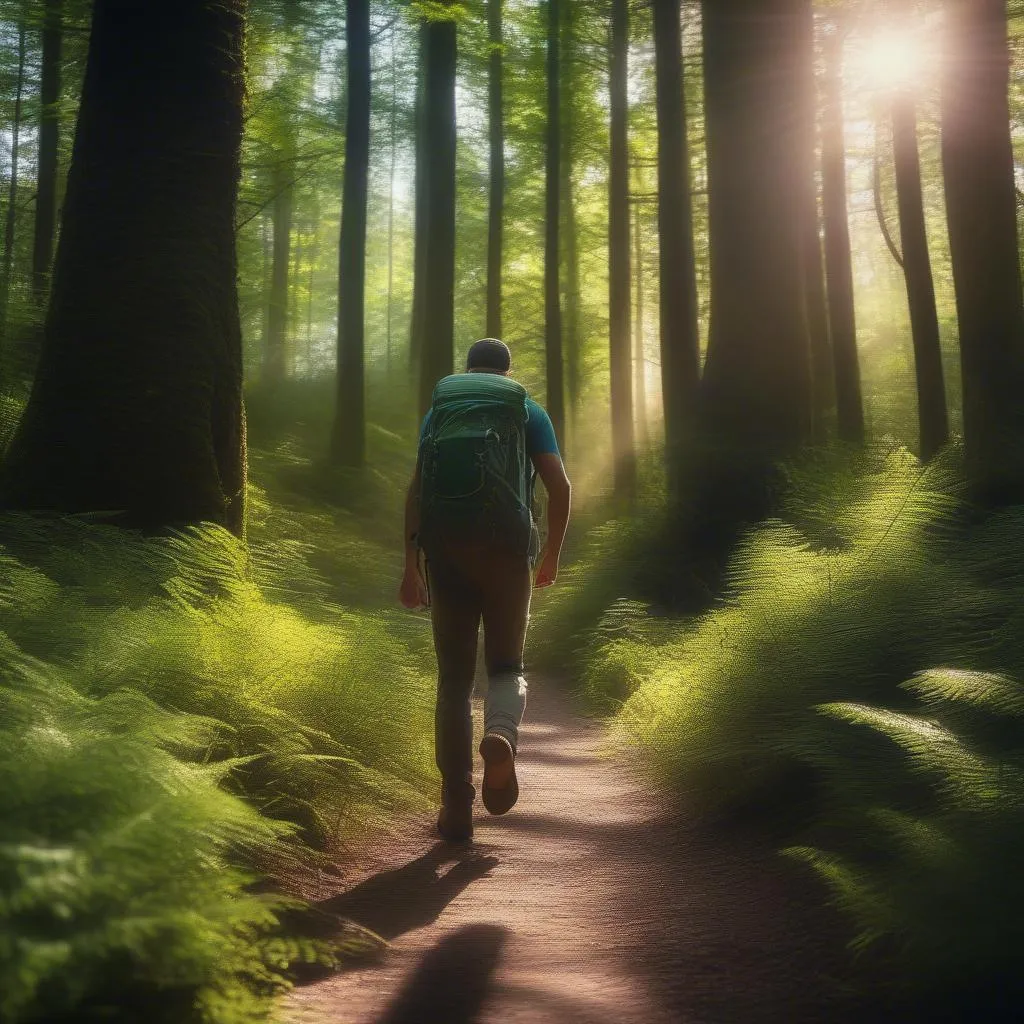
876,184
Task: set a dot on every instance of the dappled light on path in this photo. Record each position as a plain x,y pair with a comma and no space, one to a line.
590,903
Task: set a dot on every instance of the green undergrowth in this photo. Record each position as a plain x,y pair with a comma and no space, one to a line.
181,718
857,688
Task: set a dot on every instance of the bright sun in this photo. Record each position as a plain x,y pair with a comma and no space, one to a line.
894,59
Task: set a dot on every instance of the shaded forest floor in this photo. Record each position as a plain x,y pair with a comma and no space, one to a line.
593,901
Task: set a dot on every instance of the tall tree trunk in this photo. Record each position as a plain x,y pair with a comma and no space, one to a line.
266,248
313,259
619,284
822,387
756,392
12,196
977,158
136,409
639,355
679,332
932,417
496,208
552,298
838,261
439,276
393,126
46,167
295,275
275,344
570,233
421,214
348,442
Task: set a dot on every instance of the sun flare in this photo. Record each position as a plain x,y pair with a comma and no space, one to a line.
895,58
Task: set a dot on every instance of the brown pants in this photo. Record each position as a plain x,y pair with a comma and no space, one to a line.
470,582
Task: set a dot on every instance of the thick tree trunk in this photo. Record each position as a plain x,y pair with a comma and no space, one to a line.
439,276
552,298
421,214
756,391
12,195
679,333
838,261
348,441
639,354
275,346
137,409
496,210
46,168
570,233
924,321
619,283
977,158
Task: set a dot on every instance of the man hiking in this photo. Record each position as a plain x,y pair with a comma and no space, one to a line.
469,511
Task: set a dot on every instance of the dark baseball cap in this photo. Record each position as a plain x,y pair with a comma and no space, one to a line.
489,354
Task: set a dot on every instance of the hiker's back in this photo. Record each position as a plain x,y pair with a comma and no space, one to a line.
475,478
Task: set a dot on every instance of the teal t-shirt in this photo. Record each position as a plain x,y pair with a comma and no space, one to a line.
540,433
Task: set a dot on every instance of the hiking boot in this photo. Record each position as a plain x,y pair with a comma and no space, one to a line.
500,789
455,822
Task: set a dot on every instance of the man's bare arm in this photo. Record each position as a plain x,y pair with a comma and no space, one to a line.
413,591
412,518
552,474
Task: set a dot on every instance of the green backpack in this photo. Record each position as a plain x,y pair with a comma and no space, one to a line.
475,482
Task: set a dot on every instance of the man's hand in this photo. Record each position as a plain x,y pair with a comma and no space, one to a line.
548,572
413,591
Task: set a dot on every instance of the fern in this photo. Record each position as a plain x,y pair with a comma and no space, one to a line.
179,715
814,676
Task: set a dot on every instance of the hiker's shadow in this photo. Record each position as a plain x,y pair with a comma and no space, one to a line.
392,903
452,982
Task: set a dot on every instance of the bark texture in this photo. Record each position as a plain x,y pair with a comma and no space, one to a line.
570,231
348,442
639,353
619,278
838,261
420,213
756,391
275,344
822,386
679,335
137,408
933,419
12,193
552,211
496,197
439,267
977,158
49,138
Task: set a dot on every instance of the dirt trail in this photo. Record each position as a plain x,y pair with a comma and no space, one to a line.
589,903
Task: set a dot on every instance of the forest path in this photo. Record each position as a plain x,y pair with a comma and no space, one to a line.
589,903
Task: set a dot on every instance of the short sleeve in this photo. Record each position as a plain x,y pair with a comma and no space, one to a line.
540,433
